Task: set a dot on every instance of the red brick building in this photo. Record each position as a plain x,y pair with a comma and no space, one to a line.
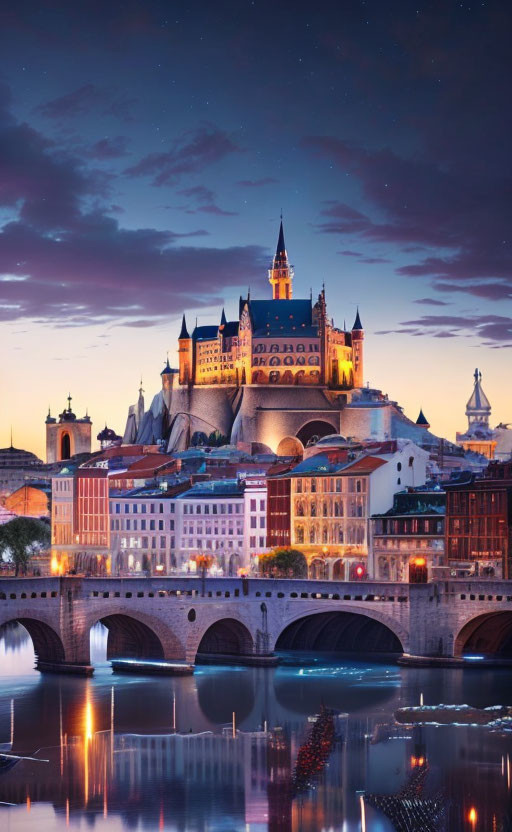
478,531
278,511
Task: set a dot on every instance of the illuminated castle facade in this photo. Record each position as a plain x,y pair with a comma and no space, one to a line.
278,378
282,341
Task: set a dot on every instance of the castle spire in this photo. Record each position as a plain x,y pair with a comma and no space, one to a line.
422,420
184,330
223,320
280,274
357,323
281,248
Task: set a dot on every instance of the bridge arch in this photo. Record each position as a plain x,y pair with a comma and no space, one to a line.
489,633
48,646
226,636
342,629
135,635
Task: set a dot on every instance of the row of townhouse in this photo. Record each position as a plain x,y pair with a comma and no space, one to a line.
324,506
124,521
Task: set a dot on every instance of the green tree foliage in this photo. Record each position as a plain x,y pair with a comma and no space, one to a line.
21,538
283,563
216,439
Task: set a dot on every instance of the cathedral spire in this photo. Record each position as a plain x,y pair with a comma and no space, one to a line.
280,274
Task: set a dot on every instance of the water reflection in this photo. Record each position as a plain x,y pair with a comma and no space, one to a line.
315,746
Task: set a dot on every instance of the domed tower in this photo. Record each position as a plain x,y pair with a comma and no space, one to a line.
167,375
357,351
280,275
185,347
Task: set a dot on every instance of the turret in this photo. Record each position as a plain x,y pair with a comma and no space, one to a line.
167,375
185,347
357,351
422,421
280,275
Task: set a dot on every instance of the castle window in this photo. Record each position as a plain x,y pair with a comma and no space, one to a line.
288,359
274,348
274,361
301,359
260,348
300,347
313,359
274,376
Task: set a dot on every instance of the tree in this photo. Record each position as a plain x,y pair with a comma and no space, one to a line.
283,563
21,538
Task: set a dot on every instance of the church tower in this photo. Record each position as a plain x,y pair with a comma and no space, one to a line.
67,436
479,437
357,351
478,408
281,274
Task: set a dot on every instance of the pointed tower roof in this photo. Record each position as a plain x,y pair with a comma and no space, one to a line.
281,248
184,330
223,320
478,408
478,400
357,322
167,369
422,420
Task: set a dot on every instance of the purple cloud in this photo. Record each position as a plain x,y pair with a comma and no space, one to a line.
192,154
431,302
206,201
109,148
65,262
256,183
123,109
492,329
76,103
487,290
418,202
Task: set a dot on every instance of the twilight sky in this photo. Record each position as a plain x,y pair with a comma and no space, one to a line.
147,149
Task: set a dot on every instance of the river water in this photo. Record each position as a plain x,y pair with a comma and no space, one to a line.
314,747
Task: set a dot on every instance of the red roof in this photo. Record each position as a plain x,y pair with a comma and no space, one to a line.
365,465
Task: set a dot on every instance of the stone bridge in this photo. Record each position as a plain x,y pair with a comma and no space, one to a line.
246,620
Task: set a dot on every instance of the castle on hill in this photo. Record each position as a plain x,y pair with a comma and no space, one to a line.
278,378
282,340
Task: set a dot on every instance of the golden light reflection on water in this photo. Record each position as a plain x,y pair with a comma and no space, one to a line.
88,732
